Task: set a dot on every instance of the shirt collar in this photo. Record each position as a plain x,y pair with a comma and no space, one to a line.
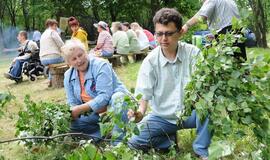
164,60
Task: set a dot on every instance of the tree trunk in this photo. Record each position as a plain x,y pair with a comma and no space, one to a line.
12,9
113,13
94,8
155,6
26,17
259,22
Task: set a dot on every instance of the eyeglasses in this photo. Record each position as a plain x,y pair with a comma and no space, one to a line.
167,34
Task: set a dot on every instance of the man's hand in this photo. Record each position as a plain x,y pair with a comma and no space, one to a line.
13,61
135,116
185,29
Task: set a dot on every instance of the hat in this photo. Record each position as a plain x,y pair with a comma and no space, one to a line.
102,24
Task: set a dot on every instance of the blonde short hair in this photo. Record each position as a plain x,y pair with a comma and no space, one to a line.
135,26
69,47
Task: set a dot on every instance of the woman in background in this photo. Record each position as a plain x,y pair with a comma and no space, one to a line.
77,31
50,44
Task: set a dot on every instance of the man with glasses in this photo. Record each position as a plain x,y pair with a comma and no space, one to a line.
162,78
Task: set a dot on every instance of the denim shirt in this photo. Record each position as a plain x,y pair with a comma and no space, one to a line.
101,83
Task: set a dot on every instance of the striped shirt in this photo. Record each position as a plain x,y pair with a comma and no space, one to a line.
219,13
105,39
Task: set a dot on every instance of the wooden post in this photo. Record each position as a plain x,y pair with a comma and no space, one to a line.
57,73
114,60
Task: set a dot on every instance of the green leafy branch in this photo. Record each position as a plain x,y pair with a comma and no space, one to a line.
231,92
42,119
4,99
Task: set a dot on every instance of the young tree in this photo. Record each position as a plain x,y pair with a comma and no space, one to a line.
25,10
12,8
260,19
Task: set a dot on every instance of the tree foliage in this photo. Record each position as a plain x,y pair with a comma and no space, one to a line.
231,93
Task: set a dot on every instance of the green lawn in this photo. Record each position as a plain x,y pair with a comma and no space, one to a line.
39,92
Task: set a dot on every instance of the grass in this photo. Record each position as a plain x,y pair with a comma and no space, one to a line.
39,92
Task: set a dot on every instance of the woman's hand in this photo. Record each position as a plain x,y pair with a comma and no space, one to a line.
76,111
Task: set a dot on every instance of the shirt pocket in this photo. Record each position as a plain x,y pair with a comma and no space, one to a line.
90,87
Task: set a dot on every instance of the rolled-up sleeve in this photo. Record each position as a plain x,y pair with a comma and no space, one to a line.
145,81
207,9
195,56
104,87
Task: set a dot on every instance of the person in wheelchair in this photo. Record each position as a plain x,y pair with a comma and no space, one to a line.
33,67
27,47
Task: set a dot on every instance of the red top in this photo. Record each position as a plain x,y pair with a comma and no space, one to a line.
149,35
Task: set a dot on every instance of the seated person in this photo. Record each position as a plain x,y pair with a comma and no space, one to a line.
90,85
50,45
36,37
151,39
120,39
134,46
77,31
104,47
142,37
27,48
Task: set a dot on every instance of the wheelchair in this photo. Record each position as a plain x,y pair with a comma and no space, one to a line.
33,67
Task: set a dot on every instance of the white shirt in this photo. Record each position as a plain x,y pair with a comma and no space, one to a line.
162,81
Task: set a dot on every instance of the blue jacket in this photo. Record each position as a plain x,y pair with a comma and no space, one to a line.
101,83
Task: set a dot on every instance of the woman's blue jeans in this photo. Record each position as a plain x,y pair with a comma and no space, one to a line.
46,62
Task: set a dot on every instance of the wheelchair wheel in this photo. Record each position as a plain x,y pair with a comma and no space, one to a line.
33,77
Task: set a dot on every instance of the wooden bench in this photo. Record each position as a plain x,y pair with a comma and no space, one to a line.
57,71
140,56
114,60
92,44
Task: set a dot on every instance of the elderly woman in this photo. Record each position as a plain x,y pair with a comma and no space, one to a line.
91,85
77,31
104,47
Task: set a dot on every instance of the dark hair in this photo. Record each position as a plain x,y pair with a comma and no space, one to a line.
167,15
126,24
72,21
50,22
24,34
120,27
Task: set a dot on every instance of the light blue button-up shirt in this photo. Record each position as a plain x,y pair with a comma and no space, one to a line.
162,81
101,83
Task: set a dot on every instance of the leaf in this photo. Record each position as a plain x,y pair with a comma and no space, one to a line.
139,96
109,155
235,74
246,120
232,107
219,149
